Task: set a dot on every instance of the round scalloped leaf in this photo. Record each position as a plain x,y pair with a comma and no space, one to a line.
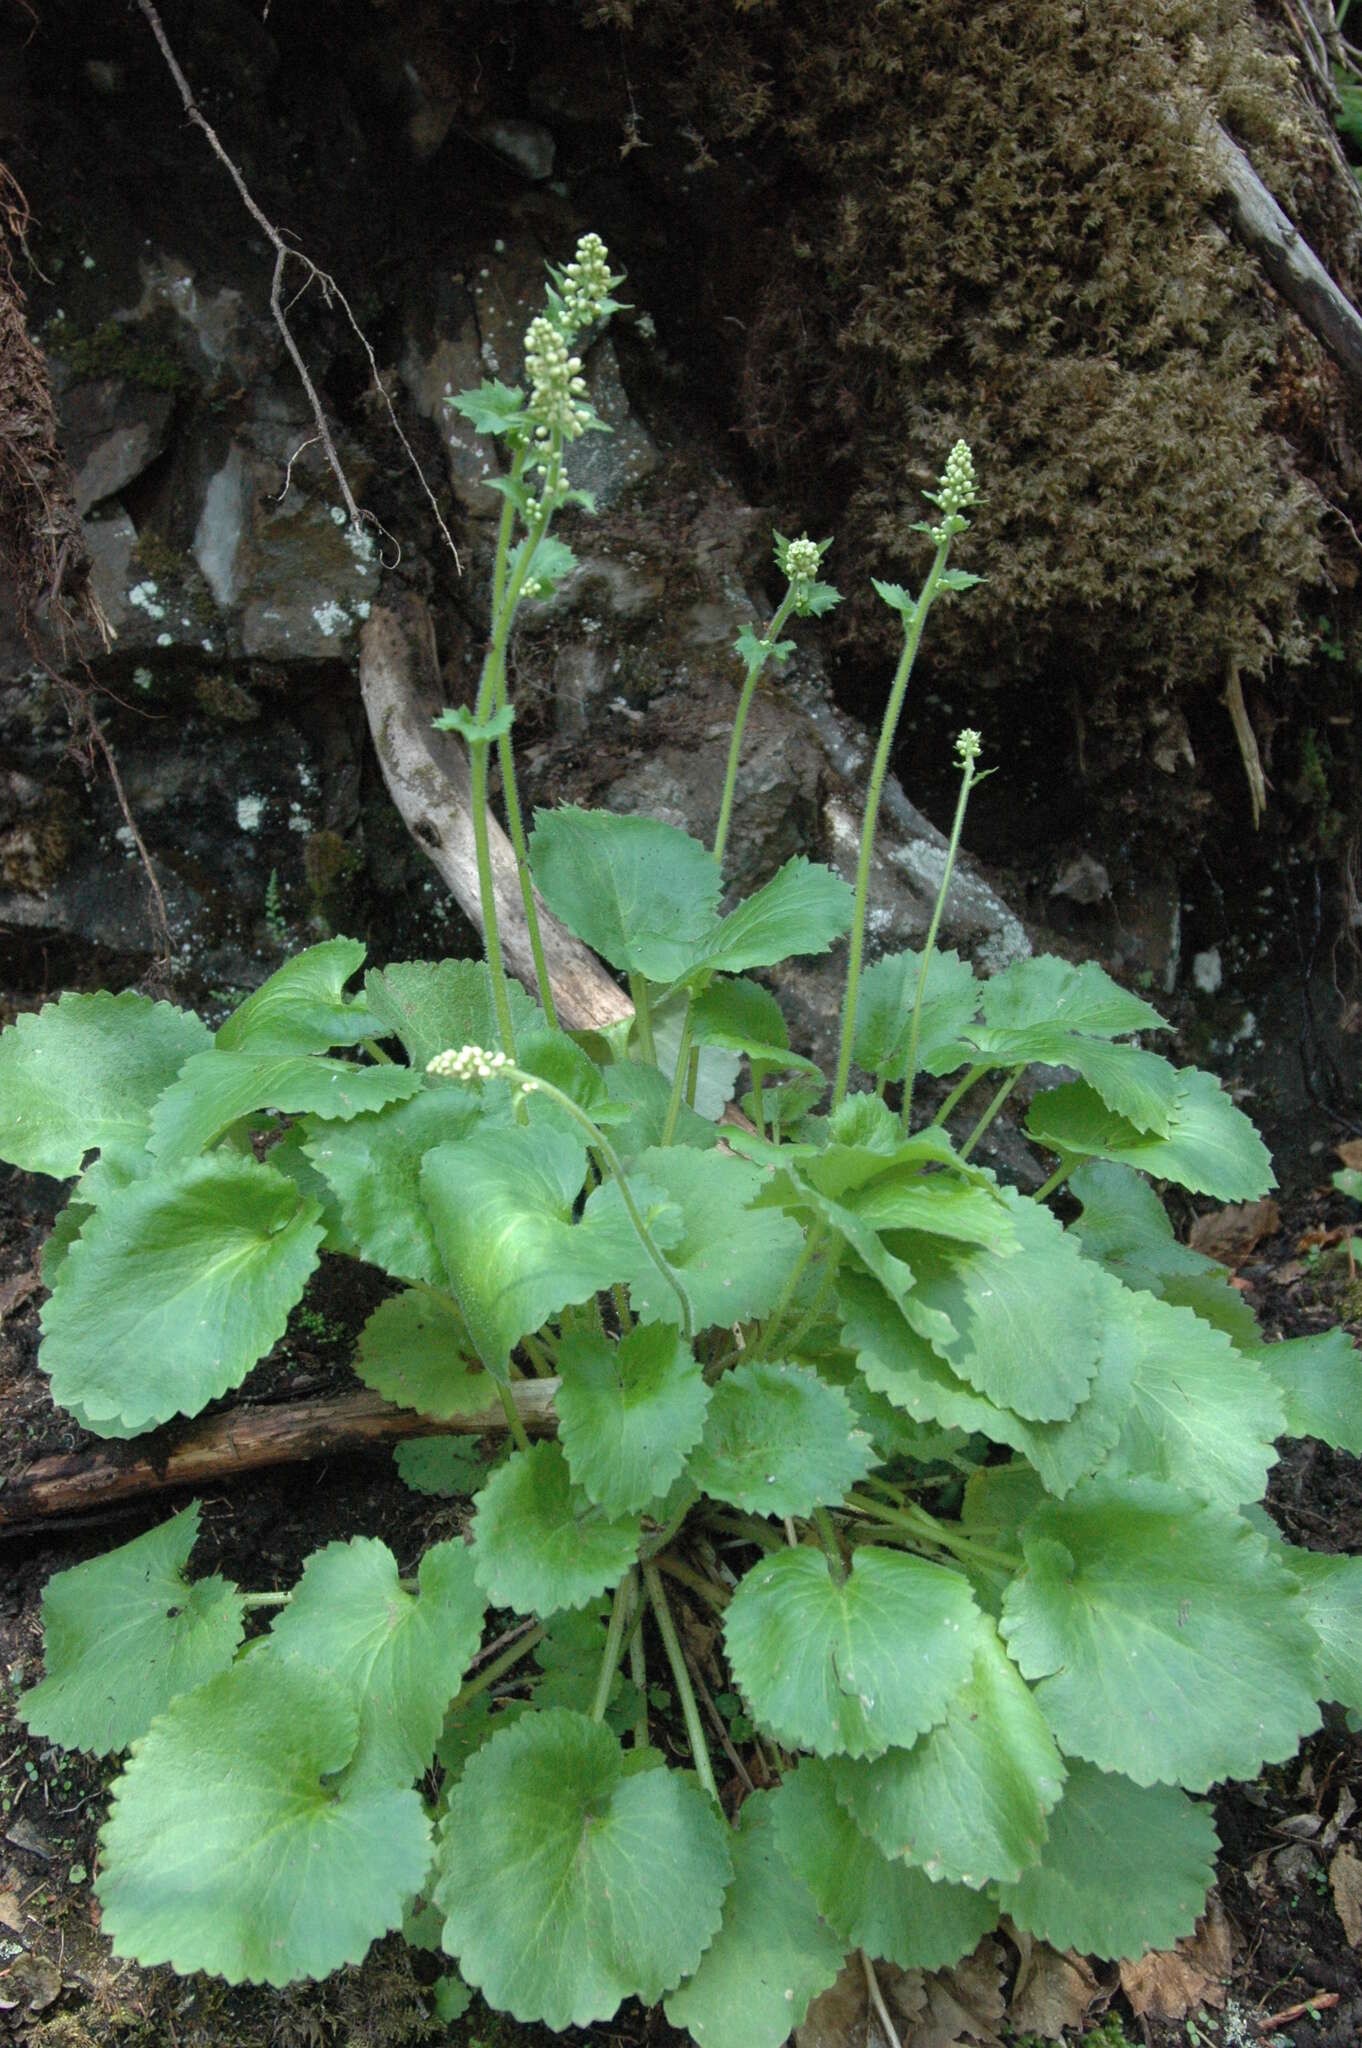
1124,1227
1044,990
1211,1146
230,1847
629,1414
884,1012
640,893
731,1259
397,1657
1331,1598
780,1441
215,1089
1126,1868
772,1956
173,1290
414,1351
571,1883
538,1544
1321,1382
124,1634
431,1005
968,1801
1163,1637
1202,1415
851,1669
891,1910
84,1072
372,1165
302,1007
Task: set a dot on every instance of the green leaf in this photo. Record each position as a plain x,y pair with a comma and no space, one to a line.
540,1545
432,1005
640,893
1348,1181
1321,1382
571,1884
743,1017
629,1414
897,1363
492,409
968,1801
451,1467
216,1089
457,718
1163,1636
1126,1868
123,1634
851,1669
1140,1086
302,1007
450,1997
415,1351
1125,1228
804,908
1202,1416
175,1287
1331,1598
884,1012
501,1205
550,562
1046,990
372,1167
645,1093
731,1259
780,1441
817,600
957,579
230,1847
771,1957
395,1657
1006,1307
554,1057
891,1910
1211,1146
84,1073
717,1070
895,596
63,1234
751,648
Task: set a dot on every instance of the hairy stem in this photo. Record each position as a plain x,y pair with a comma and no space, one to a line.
754,669
967,782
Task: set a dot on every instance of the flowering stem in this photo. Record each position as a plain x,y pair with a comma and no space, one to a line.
889,726
957,1095
967,782
999,1098
754,669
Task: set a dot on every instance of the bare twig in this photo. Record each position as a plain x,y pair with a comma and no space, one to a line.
284,254
1321,2002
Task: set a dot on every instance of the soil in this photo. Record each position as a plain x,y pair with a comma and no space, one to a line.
61,1988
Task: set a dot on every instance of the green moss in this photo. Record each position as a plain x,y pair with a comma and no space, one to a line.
144,354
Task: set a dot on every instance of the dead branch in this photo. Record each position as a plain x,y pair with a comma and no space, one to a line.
284,254
244,1440
428,779
1279,247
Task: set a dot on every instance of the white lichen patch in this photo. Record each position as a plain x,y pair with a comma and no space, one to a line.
143,596
331,619
249,810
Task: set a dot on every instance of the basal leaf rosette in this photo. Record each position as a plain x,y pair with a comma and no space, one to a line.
773,1954
968,1802
230,1848
890,1909
539,1544
629,1413
568,1881
84,1073
302,1008
1125,1868
1164,1638
124,1634
780,1441
856,1667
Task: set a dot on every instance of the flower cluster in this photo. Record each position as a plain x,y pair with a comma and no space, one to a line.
556,382
467,1063
955,494
967,746
586,282
802,559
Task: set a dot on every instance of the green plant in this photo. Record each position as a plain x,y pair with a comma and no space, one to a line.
965,1499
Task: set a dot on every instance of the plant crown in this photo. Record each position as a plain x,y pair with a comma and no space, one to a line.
962,1503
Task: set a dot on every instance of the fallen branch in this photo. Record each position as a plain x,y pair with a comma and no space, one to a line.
247,1440
428,779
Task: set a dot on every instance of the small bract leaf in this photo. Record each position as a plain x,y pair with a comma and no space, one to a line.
732,1259
539,1545
302,1008
229,1846
415,1350
856,1668
395,1657
895,596
629,1414
432,1005
884,1011
492,408
1126,1868
780,1441
1211,1146
457,718
968,1801
84,1073
1164,1636
744,1017
123,1634
772,1956
889,1909
175,1287
216,1088
639,892
372,1166
1331,1597
1321,1382
569,1884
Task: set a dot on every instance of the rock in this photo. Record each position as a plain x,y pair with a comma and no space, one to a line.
526,145
111,430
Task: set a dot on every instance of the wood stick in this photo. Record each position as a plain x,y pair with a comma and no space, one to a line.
247,1440
428,779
